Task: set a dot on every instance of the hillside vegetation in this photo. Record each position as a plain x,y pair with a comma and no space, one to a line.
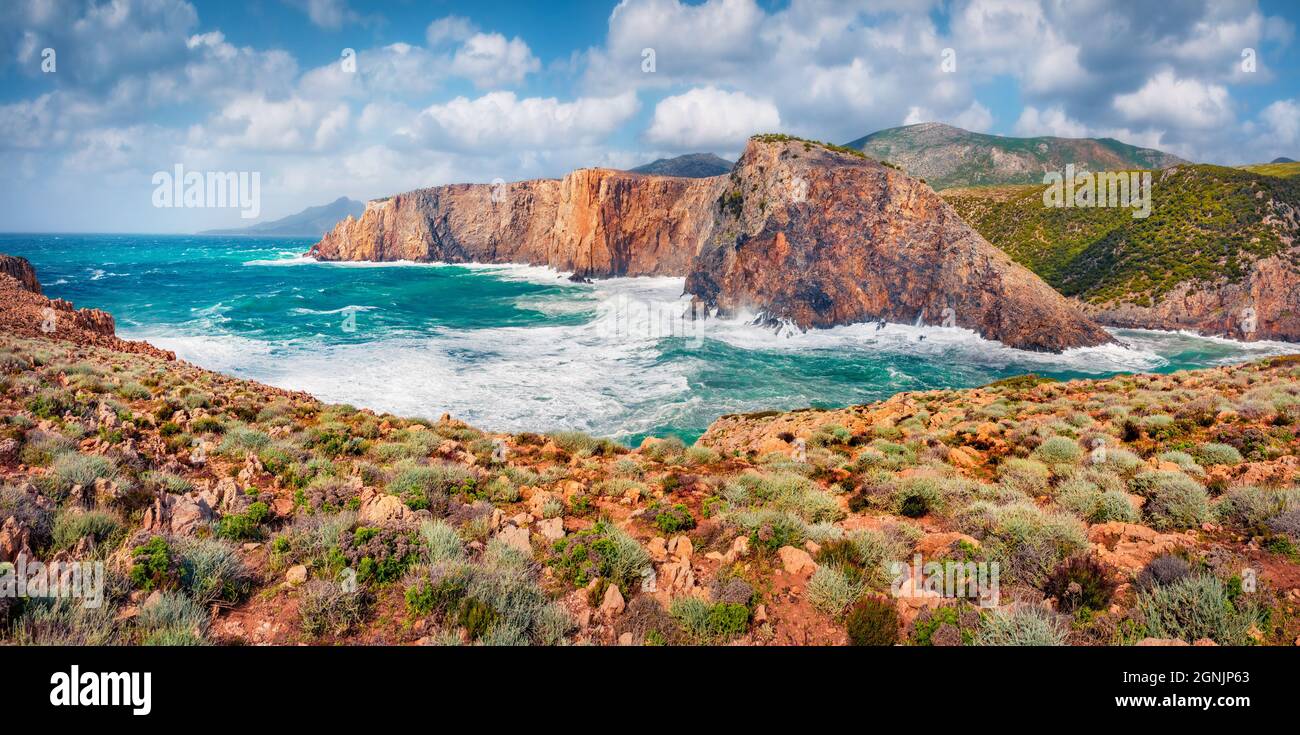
1207,225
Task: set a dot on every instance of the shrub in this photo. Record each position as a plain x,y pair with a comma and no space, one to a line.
1163,570
244,526
240,440
706,623
1024,475
831,590
1081,582
873,621
1022,625
1028,542
155,566
212,571
103,529
1174,500
699,454
914,497
1250,508
672,520
326,607
1094,506
379,553
603,551
441,542
1214,453
584,445
1058,450
41,448
74,468
1193,608
174,619
428,487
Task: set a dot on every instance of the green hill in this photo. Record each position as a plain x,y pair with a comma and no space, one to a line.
1282,169
948,157
1208,224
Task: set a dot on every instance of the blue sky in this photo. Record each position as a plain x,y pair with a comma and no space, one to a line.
472,91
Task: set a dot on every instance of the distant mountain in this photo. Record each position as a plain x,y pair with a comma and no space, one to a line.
1219,253
948,157
691,166
1282,159
310,222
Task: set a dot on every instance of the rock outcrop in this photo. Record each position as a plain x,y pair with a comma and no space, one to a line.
821,238
24,311
797,232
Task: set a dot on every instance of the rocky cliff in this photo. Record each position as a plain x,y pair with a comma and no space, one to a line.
797,232
25,312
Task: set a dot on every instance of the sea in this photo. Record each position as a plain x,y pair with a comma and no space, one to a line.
524,348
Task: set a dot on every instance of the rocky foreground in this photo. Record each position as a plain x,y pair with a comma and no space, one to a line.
1152,509
797,231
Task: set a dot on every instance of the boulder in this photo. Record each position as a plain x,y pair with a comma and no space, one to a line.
796,561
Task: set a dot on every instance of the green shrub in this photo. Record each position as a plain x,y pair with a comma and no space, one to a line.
1214,453
706,623
1193,608
603,551
1026,476
1022,625
244,526
831,590
1174,500
212,571
103,529
671,521
1058,450
155,566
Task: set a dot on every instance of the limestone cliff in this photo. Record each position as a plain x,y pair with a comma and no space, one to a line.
796,232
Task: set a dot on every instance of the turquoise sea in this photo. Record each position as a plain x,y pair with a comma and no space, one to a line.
521,347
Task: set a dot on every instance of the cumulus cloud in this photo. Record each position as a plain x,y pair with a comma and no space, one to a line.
489,60
1168,100
708,118
500,120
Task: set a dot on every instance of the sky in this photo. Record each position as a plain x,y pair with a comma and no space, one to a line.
329,98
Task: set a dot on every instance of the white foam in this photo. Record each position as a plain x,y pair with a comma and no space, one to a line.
610,375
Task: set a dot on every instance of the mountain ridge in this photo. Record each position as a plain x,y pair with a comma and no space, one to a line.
310,222
949,157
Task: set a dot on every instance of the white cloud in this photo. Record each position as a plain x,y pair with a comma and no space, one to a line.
452,28
1283,121
489,60
1180,103
708,118
500,120
1050,122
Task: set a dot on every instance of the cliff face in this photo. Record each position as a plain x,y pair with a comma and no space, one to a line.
595,222
25,312
820,238
22,271
795,232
